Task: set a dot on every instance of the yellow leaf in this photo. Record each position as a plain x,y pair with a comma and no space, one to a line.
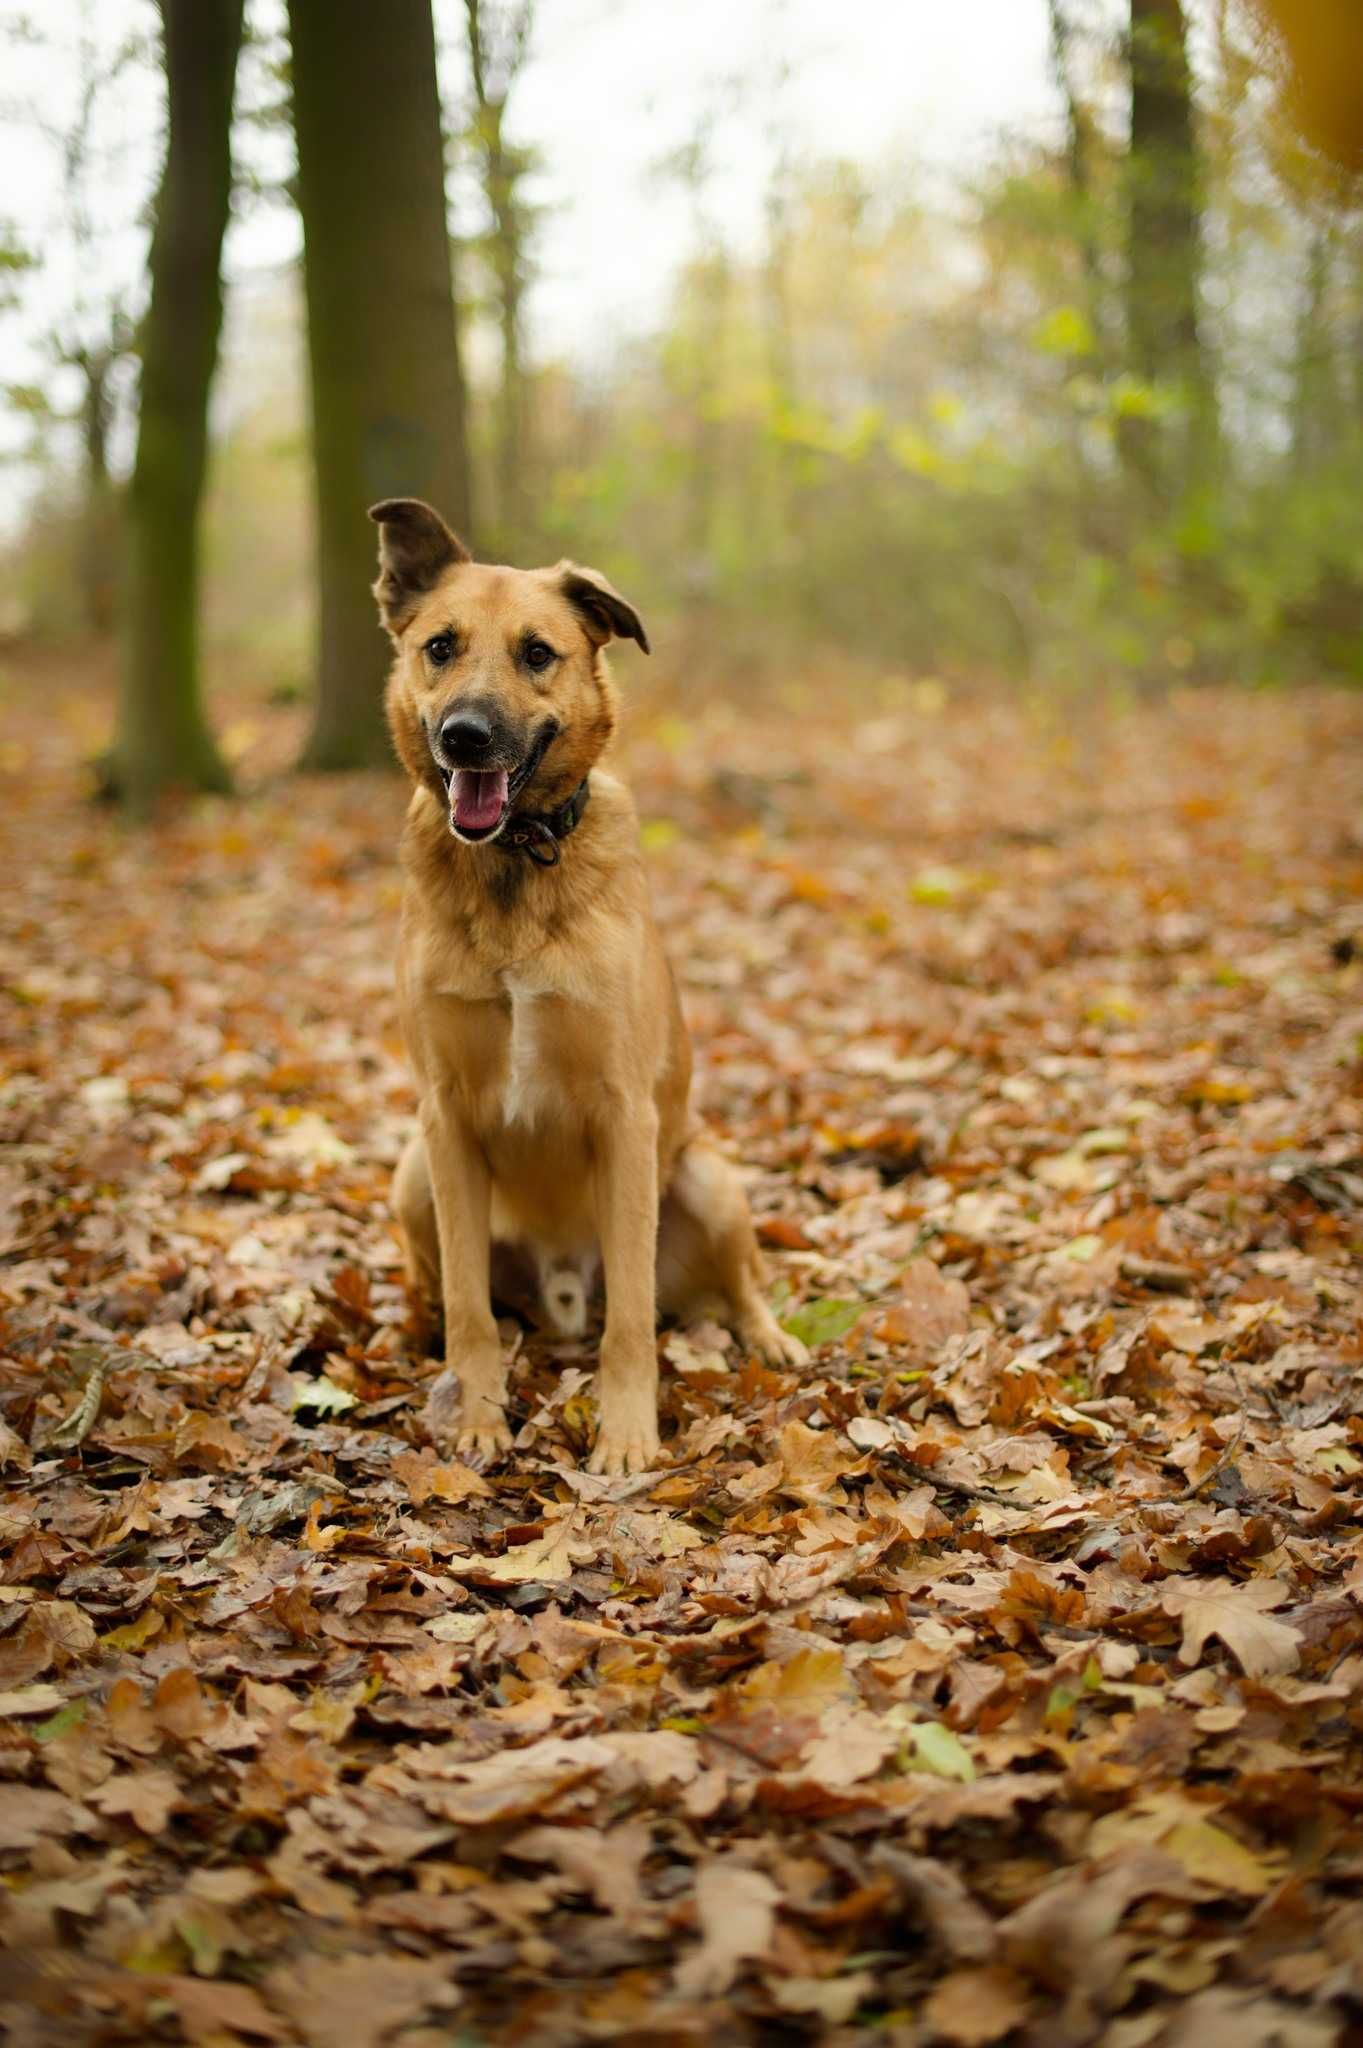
134,1635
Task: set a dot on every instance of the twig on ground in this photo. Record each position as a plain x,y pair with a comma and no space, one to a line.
1200,1485
1161,1275
932,1477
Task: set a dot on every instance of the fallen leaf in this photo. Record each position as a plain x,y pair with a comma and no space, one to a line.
358,2000
147,1798
1237,1614
973,2006
736,1914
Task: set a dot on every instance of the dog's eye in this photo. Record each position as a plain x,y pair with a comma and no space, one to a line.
440,649
539,654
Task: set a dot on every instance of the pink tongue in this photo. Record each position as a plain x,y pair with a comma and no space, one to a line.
476,798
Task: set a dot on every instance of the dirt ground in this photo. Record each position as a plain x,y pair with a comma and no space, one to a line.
999,1680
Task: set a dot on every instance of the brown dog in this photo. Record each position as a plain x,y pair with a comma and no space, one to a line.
537,1005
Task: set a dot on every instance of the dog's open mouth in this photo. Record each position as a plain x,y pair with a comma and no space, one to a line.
481,799
478,800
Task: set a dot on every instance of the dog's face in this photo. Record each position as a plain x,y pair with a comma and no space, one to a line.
498,697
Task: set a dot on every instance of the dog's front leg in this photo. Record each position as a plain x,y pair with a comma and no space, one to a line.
627,1218
461,1186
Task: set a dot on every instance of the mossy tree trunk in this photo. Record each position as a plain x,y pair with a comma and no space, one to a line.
163,740
1164,262
387,392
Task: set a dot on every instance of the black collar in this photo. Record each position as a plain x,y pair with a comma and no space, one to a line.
538,835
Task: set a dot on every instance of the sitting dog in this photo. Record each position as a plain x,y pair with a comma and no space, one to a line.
537,1005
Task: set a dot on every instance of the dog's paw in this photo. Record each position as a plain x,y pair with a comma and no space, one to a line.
625,1445
762,1334
482,1442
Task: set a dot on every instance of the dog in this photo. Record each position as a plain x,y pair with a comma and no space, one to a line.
538,1008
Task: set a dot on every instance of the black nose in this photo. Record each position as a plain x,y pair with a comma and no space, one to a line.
465,732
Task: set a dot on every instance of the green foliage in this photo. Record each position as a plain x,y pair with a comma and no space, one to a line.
824,1322
943,482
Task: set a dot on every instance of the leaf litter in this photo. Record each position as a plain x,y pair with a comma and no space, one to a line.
999,1679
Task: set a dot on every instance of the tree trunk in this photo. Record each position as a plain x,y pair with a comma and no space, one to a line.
387,393
1164,227
500,180
1078,143
98,553
163,740
501,175
1315,413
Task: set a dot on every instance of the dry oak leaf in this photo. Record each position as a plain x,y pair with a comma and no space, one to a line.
850,1745
547,1559
148,1798
13,1450
212,2012
931,1308
814,1460
1226,2018
508,1786
831,1999
425,1478
1065,1934
31,1699
30,1814
976,2005
51,1632
180,1708
1237,1614
736,1909
954,1917
1207,1854
608,1865
808,1682
210,1440
357,2000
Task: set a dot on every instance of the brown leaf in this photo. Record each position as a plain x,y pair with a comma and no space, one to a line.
932,1307
147,1798
736,1913
1237,1614
358,2000
180,1707
31,1814
427,1479
209,1441
814,1460
977,2005
210,2011
959,1925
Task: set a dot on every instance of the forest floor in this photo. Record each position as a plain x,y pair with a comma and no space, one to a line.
997,1680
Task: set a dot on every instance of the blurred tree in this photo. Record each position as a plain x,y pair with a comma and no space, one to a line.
15,260
162,739
498,36
1082,145
1164,251
387,388
90,338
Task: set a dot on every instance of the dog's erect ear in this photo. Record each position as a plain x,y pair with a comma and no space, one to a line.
415,547
599,605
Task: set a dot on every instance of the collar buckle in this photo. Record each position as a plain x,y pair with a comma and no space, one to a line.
539,837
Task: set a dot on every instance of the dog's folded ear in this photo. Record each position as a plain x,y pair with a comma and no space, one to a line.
605,614
415,547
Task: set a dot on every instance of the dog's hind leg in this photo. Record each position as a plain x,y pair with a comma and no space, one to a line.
707,1252
414,1206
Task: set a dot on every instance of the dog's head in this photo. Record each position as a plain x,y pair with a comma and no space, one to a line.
498,698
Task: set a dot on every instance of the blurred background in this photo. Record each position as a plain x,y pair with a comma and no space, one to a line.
1017,341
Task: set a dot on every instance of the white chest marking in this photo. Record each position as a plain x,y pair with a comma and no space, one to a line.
525,1076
